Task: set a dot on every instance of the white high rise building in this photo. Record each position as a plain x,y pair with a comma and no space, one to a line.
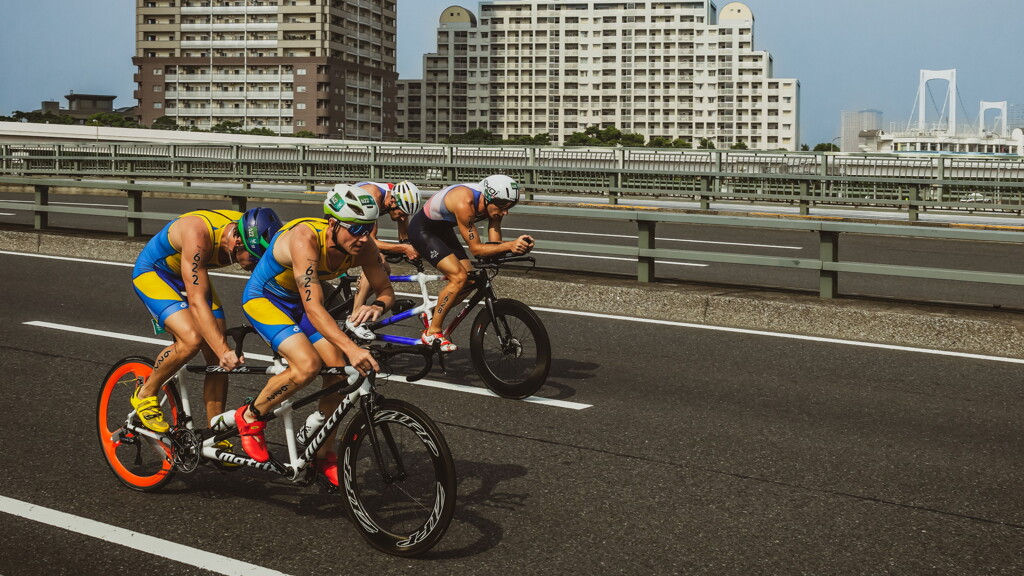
675,69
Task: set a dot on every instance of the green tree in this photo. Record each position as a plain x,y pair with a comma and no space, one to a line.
804,148
826,147
659,142
682,143
304,134
474,136
632,139
706,144
741,145
110,119
165,123
227,127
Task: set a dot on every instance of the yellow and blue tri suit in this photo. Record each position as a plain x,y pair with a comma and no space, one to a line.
271,300
157,274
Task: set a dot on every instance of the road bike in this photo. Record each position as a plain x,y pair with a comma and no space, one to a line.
508,343
397,474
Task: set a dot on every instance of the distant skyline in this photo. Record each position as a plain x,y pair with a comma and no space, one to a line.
847,54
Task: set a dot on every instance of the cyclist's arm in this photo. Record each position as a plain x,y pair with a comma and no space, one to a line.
305,256
464,213
379,283
196,252
393,247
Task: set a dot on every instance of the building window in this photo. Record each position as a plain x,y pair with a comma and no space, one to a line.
158,105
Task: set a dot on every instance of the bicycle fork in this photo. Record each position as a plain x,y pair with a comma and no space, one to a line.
378,454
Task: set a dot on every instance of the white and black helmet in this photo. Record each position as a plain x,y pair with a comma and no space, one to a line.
407,197
500,190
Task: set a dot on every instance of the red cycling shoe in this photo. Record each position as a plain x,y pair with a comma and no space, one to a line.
253,441
329,467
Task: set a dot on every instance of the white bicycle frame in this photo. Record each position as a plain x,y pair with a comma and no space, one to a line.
297,463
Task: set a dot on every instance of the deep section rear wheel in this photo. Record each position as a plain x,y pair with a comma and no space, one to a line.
139,461
511,351
406,509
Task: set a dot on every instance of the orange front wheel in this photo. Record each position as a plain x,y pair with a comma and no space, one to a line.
139,461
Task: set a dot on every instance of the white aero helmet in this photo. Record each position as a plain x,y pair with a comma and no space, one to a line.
407,197
500,190
350,204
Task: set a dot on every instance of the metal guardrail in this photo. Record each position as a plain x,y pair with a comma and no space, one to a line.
645,251
901,182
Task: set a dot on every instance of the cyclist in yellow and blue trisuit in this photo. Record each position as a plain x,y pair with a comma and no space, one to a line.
171,278
399,201
283,301
432,234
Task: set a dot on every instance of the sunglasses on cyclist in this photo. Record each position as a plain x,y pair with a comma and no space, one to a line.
357,230
503,204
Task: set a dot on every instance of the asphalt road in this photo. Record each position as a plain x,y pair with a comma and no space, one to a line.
981,256
700,451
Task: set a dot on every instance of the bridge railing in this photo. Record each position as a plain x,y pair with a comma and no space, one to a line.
897,182
644,250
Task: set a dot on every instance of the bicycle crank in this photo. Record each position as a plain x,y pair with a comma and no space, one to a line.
188,447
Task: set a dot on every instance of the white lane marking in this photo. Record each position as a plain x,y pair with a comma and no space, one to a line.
616,258
265,358
659,239
87,261
672,323
135,540
790,336
70,203
7,214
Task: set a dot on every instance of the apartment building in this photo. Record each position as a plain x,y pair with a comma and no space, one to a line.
323,66
852,123
656,67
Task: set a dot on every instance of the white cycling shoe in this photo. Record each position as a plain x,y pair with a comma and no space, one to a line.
446,344
360,331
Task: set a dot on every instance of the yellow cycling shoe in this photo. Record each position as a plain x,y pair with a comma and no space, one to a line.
149,412
226,446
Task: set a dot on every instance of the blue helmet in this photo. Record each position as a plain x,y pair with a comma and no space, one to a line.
256,228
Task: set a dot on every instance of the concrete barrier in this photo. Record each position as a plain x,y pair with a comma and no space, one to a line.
958,329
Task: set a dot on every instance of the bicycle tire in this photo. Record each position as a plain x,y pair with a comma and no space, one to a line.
139,462
518,368
408,516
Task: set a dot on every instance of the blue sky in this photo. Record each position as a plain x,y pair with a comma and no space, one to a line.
847,54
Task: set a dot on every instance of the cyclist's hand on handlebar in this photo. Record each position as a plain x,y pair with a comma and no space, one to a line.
229,360
522,245
410,252
362,360
366,313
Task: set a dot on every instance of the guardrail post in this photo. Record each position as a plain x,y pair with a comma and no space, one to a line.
376,170
134,205
913,196
645,241
239,203
616,183
530,172
448,171
828,280
42,219
705,186
805,203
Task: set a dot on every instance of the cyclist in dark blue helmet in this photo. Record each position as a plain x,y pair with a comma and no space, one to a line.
171,279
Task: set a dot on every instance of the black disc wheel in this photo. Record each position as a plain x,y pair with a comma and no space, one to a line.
511,351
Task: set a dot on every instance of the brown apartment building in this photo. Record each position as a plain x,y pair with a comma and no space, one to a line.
323,66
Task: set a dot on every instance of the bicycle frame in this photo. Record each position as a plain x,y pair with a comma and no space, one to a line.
297,463
481,292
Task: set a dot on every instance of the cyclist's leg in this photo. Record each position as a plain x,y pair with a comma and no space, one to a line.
162,296
455,271
275,321
327,458
215,386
